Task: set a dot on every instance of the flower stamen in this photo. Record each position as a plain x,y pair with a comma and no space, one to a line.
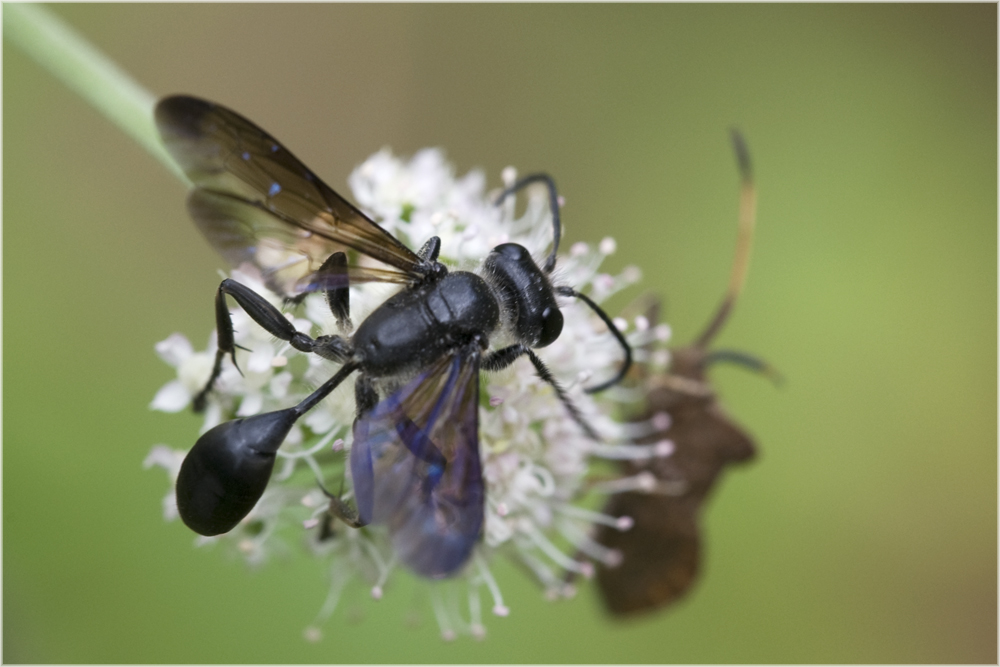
585,544
632,452
444,624
553,552
621,523
338,581
499,608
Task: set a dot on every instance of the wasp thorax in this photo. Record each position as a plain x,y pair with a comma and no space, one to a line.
527,292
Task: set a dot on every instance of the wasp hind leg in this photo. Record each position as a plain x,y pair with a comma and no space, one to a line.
273,321
338,509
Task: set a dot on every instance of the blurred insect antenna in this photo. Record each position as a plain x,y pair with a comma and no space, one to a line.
744,243
550,261
742,153
747,361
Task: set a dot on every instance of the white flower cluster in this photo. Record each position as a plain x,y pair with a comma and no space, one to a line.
535,457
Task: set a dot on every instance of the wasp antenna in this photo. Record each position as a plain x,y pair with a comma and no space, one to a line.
569,291
550,261
744,243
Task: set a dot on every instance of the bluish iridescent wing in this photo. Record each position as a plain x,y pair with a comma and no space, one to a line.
416,468
256,202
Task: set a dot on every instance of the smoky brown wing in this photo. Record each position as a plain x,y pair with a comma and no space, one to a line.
288,256
230,160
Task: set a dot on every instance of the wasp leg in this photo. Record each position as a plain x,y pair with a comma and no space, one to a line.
503,358
365,396
338,293
362,472
340,510
430,250
270,318
333,279
550,261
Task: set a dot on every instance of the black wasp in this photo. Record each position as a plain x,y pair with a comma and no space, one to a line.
415,459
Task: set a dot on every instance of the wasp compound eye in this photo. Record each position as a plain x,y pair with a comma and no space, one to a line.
227,470
550,326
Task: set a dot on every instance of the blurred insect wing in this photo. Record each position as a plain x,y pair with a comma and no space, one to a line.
255,201
416,467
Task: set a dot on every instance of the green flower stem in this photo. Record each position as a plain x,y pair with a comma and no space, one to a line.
85,70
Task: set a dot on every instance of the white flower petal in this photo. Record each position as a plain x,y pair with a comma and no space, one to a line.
170,507
320,421
172,397
280,383
165,457
195,371
260,359
213,416
251,405
174,349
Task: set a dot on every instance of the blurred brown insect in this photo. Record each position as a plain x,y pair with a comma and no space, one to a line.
662,551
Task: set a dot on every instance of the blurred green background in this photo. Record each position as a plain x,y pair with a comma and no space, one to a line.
867,529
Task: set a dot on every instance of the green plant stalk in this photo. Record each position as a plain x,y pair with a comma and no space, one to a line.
83,69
